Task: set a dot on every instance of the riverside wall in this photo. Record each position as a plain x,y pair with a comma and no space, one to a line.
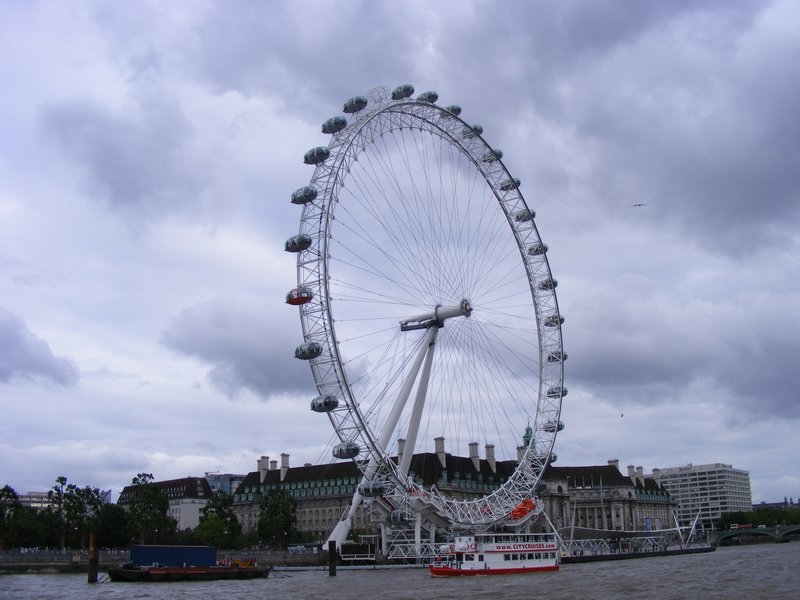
76,561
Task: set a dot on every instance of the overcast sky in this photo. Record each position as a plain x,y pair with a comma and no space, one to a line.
148,151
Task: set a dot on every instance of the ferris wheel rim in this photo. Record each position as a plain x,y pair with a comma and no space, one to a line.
317,219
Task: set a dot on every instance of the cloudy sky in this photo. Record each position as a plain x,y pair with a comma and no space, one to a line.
148,151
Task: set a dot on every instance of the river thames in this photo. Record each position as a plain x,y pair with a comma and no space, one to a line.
759,571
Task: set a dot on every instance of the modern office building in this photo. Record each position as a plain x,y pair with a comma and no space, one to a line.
711,489
35,500
224,482
42,500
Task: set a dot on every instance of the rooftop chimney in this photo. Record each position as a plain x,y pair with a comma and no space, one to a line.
263,467
657,475
520,453
490,457
632,474
473,454
640,474
439,442
273,465
614,462
284,464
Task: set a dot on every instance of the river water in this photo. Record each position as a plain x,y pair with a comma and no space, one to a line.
753,572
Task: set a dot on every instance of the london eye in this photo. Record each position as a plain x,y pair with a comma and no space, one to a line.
427,303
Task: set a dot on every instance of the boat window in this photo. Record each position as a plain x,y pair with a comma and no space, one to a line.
480,557
506,557
469,557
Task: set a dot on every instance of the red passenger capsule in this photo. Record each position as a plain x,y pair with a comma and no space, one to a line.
299,295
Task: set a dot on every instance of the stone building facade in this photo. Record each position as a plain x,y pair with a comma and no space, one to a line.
592,496
601,497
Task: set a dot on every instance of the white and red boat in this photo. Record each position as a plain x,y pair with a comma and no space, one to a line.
497,554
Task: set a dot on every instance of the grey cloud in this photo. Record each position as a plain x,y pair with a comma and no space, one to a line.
247,346
313,56
139,161
652,353
680,105
24,356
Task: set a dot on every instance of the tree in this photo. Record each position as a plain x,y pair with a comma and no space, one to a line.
9,507
218,523
56,496
277,521
212,531
75,509
149,510
112,526
80,510
29,528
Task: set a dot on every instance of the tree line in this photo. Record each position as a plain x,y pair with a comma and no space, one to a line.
72,512
768,517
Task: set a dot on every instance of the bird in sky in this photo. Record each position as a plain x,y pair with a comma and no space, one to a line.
639,204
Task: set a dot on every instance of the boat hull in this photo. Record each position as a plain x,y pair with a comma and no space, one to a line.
168,574
442,571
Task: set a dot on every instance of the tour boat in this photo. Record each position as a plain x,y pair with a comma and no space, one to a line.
497,554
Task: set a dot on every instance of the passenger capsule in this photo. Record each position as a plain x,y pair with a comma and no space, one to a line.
510,184
453,109
492,156
557,356
308,350
297,243
538,249
346,450
524,215
316,155
299,295
399,516
372,489
554,320
430,97
304,195
553,426
557,392
553,458
323,404
355,104
471,132
403,91
548,284
334,125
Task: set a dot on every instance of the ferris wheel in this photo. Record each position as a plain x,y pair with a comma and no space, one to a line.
427,304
